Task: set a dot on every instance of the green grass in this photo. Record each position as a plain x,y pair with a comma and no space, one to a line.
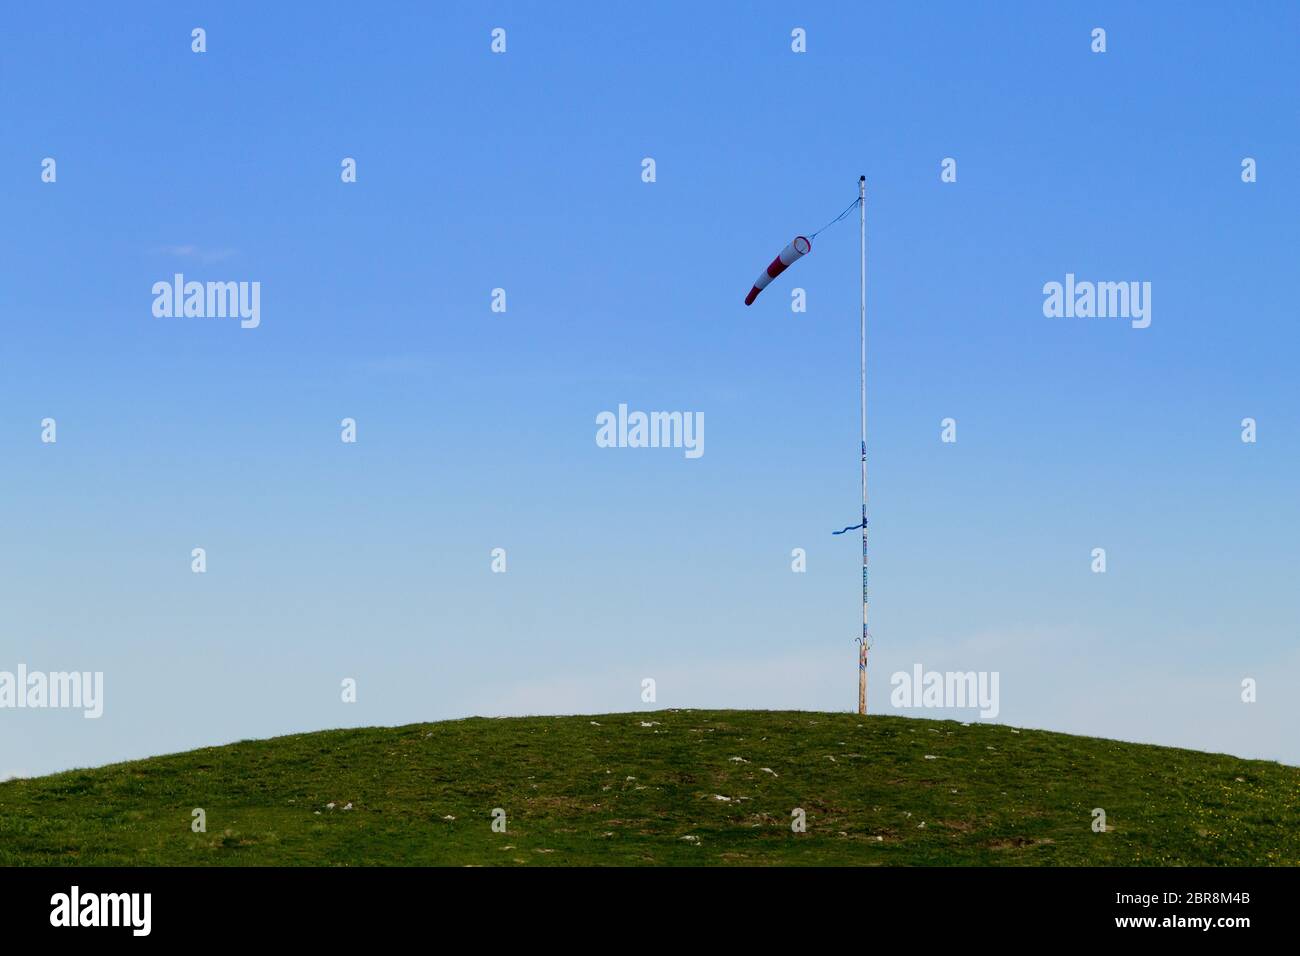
643,788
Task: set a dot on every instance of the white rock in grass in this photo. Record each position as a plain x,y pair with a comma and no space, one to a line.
769,770
931,757
718,796
330,805
348,807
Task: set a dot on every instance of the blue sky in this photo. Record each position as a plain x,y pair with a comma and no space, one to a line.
476,429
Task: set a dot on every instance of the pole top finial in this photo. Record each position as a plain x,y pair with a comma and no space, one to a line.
862,179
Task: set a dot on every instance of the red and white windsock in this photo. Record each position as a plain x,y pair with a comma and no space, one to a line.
797,249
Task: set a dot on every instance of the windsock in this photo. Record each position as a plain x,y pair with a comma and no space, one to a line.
797,249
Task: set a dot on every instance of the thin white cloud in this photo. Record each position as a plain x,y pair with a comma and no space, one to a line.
197,253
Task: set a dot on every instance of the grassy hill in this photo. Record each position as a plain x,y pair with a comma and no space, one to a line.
664,787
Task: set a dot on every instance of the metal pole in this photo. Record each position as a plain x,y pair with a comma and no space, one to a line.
862,642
